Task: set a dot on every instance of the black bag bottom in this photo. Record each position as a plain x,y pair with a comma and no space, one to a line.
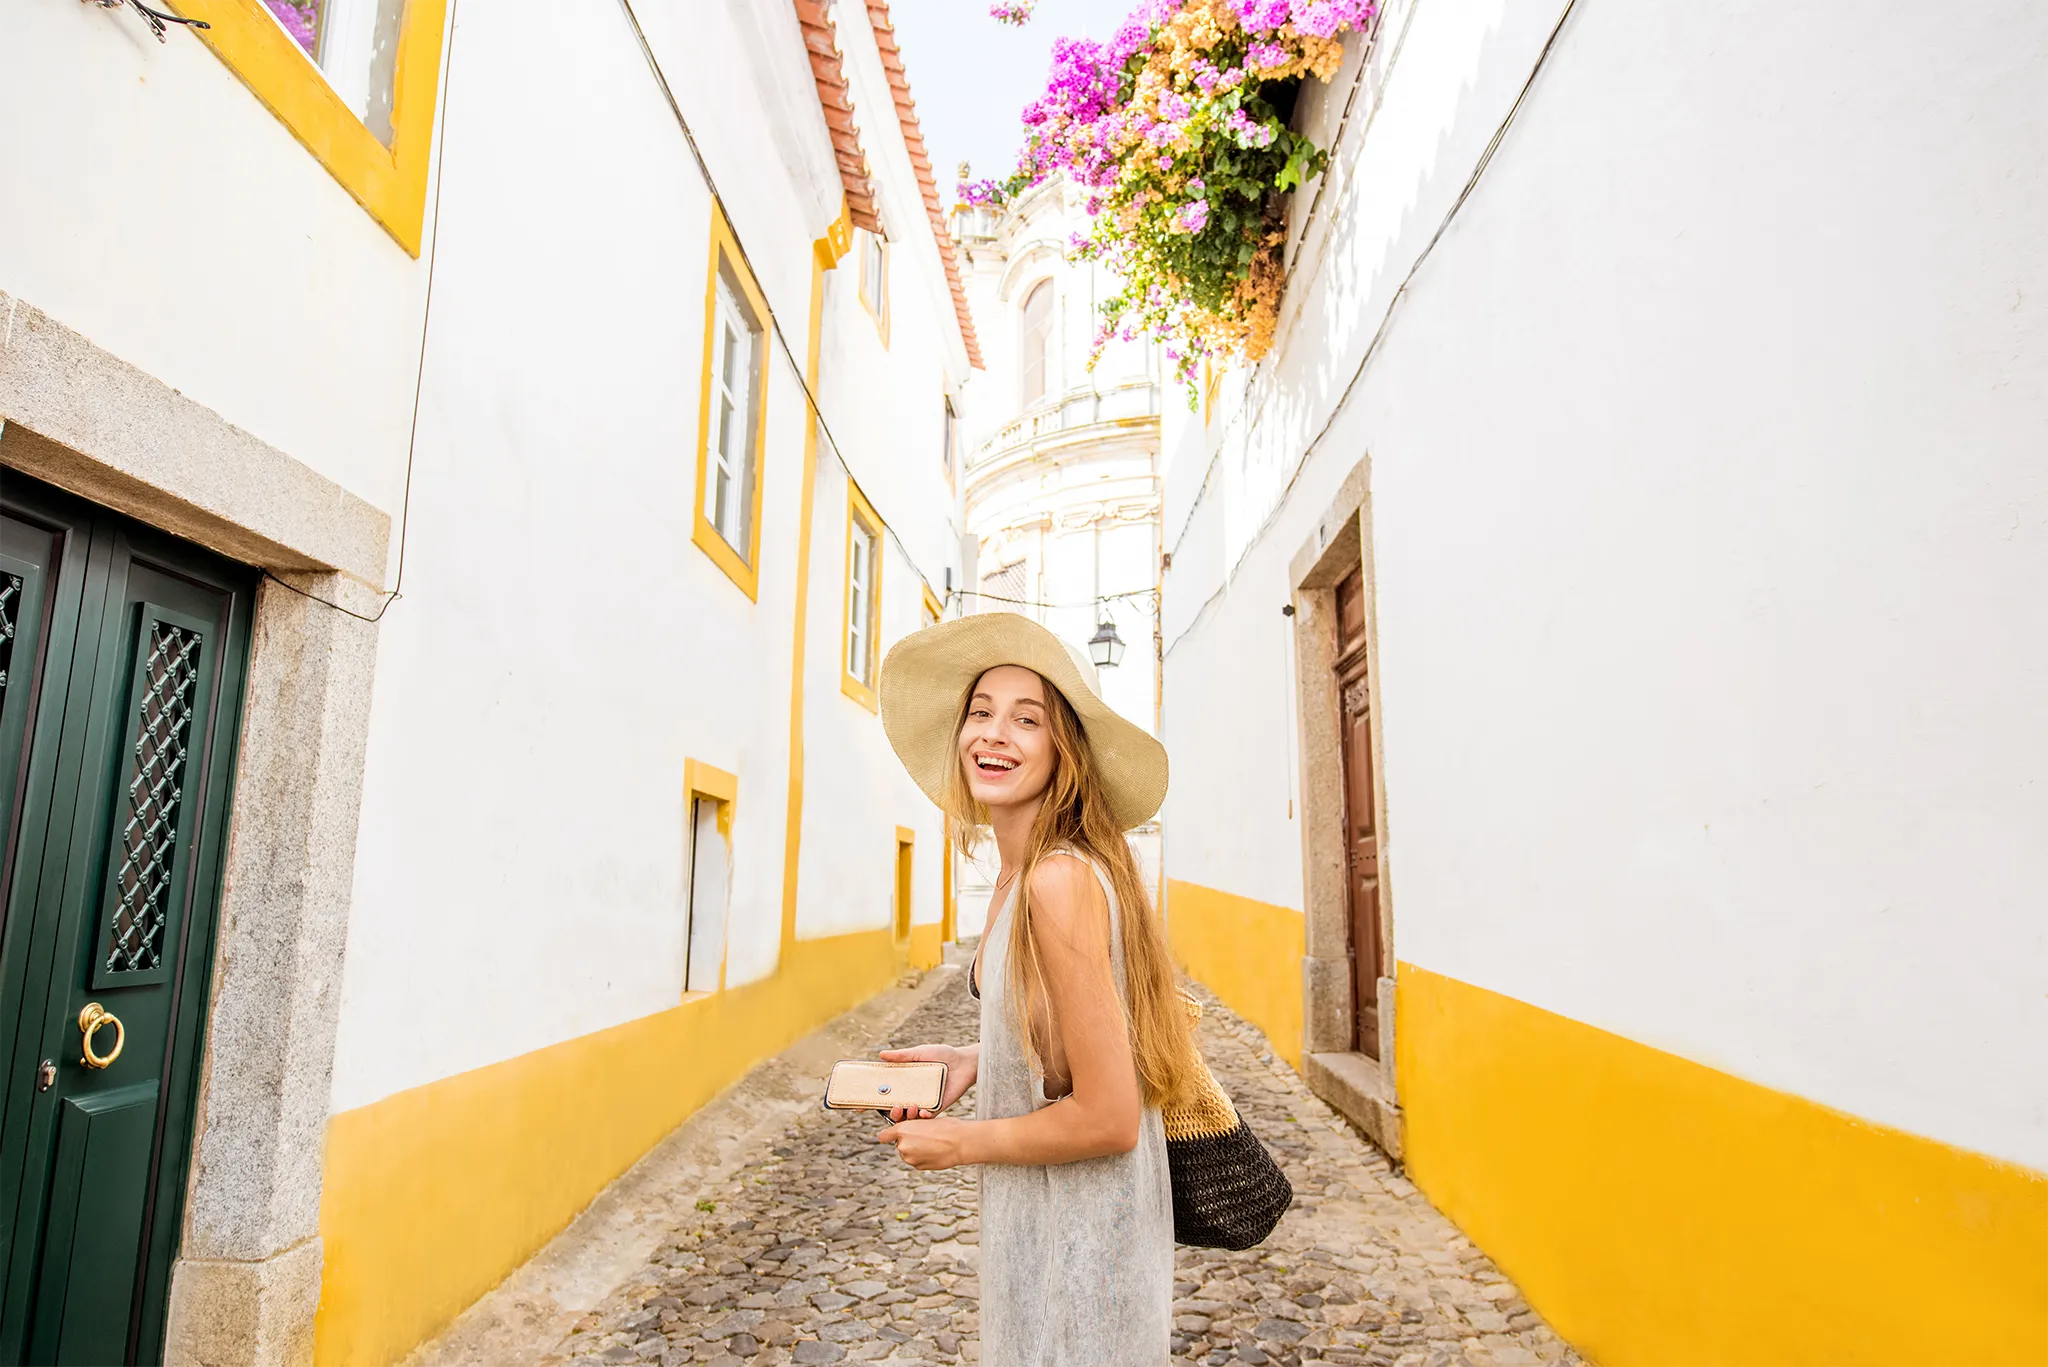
1227,1190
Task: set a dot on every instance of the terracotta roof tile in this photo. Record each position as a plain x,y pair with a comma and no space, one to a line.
920,161
837,101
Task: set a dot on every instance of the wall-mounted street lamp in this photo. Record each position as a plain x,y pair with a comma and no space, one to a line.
1105,647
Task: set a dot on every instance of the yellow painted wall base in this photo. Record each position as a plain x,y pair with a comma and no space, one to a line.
1657,1211
433,1195
926,948
1246,952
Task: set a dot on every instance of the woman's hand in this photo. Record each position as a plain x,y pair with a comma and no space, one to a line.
929,1145
962,1066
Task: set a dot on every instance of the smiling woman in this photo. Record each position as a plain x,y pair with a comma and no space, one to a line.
1083,1037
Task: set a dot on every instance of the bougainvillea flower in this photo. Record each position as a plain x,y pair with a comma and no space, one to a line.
1171,128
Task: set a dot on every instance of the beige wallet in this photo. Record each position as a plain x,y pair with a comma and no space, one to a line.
865,1084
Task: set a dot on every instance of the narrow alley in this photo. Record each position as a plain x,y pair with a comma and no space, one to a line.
558,565
821,1247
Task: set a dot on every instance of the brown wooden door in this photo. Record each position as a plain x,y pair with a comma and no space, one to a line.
1361,814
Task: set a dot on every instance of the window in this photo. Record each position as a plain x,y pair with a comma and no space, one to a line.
1037,339
355,81
1002,590
874,279
709,796
863,598
729,473
353,43
952,429
734,416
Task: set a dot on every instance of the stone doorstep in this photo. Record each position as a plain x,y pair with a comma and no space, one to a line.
1354,1084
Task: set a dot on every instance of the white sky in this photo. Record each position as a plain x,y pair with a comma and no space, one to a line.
972,76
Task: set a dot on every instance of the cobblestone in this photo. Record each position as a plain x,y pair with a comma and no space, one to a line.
826,1249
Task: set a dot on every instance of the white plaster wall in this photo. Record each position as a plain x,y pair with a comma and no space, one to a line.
1708,507
856,792
155,206
562,647
884,408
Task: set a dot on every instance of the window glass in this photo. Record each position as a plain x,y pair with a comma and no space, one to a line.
729,473
354,43
704,936
860,599
952,428
1037,337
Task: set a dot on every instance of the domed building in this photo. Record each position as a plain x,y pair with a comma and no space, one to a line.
1061,459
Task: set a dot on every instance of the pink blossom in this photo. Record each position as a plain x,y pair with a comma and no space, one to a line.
1262,16
1262,56
1194,216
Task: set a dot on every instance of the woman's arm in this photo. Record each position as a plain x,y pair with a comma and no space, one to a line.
1100,1116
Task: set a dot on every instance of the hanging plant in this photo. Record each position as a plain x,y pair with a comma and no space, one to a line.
1015,13
1177,129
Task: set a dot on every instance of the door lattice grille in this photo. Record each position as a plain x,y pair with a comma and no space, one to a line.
170,683
10,606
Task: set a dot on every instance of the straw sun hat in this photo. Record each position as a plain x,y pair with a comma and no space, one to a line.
925,680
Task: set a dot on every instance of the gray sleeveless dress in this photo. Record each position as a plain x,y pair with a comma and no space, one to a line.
1076,1258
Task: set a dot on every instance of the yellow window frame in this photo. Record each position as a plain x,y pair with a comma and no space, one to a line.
878,285
932,607
701,780
861,514
389,182
743,571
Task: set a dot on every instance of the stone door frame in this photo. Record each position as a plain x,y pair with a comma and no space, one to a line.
1353,1082
246,1283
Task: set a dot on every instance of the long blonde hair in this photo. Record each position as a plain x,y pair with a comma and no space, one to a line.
1075,812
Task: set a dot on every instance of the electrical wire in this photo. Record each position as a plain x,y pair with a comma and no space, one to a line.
1058,607
1379,334
419,376
774,324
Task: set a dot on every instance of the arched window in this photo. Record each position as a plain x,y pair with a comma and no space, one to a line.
1037,339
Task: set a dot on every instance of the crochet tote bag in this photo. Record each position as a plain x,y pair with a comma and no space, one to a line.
1227,1190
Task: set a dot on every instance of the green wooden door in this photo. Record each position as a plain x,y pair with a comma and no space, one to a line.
122,656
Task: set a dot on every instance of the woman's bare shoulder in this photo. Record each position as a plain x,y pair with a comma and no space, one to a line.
1065,894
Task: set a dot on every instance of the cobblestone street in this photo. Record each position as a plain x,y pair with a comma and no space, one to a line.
821,1247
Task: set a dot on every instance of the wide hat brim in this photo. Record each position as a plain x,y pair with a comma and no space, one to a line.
925,680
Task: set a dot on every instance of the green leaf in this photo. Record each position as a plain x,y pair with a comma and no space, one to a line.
1300,166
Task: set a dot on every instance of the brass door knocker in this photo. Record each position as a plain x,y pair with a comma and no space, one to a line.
91,1020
